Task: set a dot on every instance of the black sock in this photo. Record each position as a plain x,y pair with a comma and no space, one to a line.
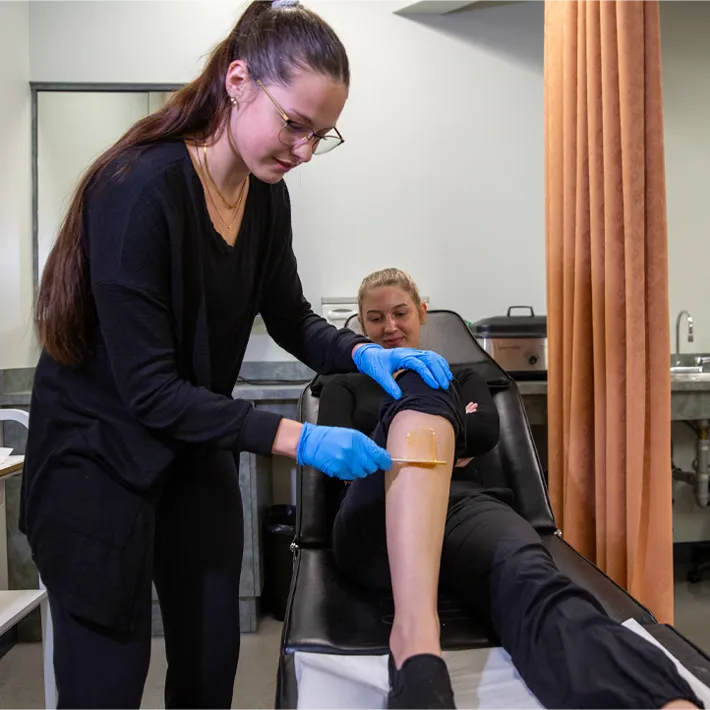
422,682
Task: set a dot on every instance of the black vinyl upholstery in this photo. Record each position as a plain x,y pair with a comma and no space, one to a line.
328,614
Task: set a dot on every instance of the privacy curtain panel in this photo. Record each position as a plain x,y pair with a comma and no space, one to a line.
607,292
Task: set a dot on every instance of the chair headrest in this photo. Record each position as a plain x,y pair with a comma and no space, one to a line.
446,333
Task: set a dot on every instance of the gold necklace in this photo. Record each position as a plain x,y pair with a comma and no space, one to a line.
229,226
214,184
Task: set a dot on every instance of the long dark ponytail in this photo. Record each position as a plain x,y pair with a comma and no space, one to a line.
274,40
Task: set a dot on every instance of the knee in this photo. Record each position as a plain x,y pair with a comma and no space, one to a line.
422,437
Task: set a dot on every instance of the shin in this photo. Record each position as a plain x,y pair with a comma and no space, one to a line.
417,500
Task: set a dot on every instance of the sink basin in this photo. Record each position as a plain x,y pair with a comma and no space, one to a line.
688,360
690,376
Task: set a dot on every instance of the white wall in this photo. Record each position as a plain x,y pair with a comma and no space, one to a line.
685,48
442,172
685,44
16,336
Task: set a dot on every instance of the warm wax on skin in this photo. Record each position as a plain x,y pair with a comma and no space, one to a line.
421,445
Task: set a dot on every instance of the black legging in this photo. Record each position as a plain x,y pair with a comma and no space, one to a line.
198,559
568,651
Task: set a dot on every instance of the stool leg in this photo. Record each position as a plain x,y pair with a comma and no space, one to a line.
50,688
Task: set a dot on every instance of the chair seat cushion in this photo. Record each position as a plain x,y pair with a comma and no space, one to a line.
329,614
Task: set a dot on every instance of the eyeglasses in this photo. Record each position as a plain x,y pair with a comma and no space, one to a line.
295,134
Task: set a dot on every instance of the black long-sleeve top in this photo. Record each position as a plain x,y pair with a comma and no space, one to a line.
175,307
356,401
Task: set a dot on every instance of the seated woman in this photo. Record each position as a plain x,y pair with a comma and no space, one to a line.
415,528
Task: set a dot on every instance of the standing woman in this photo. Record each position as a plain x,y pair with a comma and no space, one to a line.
175,239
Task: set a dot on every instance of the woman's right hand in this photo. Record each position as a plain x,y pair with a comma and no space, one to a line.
471,408
339,452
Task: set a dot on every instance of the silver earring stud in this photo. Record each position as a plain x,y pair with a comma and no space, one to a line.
234,101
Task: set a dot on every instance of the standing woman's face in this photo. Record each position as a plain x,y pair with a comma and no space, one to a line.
313,103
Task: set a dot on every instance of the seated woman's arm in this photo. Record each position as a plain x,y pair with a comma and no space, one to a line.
483,425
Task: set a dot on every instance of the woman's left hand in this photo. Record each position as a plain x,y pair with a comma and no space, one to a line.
381,364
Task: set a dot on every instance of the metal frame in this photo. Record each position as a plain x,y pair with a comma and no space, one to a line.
35,88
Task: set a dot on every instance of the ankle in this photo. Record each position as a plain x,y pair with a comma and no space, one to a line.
414,636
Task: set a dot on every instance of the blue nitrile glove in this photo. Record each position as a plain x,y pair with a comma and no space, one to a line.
380,364
339,452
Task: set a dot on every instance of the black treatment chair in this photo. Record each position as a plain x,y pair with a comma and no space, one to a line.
326,613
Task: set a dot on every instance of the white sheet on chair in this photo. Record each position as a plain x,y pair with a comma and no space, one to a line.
700,689
481,678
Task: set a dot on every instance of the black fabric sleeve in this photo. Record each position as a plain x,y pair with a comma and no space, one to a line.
483,426
419,397
337,403
288,316
128,242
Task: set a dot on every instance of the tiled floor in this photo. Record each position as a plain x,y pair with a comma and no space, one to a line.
21,672
692,610
21,668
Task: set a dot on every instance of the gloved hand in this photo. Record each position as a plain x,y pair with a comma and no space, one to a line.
380,364
339,452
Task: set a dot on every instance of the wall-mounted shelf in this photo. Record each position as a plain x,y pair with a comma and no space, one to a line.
433,7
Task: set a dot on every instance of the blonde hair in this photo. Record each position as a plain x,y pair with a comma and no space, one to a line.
388,277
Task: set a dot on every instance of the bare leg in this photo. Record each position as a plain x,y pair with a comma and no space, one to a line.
417,500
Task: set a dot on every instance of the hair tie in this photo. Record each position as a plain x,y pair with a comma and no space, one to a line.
278,4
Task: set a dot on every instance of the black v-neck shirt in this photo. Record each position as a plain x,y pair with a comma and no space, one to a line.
228,275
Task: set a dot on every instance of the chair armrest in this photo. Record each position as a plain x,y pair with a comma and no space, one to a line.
617,602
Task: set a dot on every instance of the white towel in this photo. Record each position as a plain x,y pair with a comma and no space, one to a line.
699,688
481,678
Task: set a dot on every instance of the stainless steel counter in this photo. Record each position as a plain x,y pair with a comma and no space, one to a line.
269,393
690,397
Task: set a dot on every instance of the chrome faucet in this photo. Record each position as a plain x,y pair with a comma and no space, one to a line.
691,337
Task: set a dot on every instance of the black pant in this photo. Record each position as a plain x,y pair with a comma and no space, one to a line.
198,558
567,650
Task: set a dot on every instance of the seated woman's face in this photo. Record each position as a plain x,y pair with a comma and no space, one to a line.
389,317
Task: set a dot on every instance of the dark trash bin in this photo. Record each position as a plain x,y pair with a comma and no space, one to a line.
279,532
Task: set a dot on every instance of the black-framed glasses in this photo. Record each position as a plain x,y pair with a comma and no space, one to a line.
294,134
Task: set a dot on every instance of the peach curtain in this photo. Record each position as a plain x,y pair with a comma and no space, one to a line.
607,292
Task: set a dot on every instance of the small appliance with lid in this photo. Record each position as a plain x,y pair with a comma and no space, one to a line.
518,343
